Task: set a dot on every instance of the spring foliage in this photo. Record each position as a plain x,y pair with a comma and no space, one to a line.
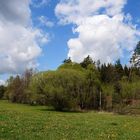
78,86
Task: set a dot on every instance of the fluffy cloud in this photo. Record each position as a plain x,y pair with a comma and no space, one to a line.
102,38
15,11
45,22
104,32
73,10
2,82
19,41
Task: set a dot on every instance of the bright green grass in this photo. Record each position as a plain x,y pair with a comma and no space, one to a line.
23,122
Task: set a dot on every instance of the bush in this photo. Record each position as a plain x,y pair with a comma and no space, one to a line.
63,88
60,89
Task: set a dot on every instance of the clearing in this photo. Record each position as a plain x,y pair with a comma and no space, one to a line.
23,122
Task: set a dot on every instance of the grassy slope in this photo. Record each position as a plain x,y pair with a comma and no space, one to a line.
22,122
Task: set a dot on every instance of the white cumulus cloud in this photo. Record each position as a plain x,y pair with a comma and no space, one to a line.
104,32
45,22
19,40
73,10
2,82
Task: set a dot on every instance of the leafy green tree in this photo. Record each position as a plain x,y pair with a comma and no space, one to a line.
108,91
14,89
73,65
17,88
64,87
93,87
37,93
118,96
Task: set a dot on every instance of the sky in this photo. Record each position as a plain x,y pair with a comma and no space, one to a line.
42,33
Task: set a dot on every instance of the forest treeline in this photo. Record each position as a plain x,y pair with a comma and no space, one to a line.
87,85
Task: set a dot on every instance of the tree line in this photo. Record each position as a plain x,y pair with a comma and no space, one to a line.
87,85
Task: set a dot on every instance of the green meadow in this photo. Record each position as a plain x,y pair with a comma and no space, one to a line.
24,122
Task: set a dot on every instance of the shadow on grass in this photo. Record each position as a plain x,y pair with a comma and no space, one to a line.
114,124
63,111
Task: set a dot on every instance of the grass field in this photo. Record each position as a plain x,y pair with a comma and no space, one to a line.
23,122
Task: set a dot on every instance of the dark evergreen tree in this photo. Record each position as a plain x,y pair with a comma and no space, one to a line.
87,61
119,70
2,91
67,60
107,73
126,71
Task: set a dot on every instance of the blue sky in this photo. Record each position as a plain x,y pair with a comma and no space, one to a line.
45,32
133,7
56,50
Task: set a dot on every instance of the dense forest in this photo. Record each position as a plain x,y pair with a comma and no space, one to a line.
81,86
